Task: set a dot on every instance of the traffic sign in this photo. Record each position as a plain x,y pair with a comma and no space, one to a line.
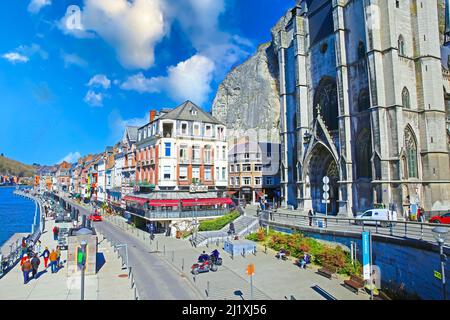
325,201
250,269
326,187
326,195
326,180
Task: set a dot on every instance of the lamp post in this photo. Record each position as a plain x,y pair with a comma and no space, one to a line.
440,234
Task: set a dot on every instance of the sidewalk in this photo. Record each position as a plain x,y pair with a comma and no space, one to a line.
105,285
273,279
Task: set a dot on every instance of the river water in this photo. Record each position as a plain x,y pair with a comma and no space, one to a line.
16,214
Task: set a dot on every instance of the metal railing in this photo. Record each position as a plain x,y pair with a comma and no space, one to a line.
177,214
399,229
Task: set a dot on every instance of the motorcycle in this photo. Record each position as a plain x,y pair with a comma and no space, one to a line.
201,267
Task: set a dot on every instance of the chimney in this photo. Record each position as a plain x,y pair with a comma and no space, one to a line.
152,115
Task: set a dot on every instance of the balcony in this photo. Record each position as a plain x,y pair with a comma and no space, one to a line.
184,161
196,161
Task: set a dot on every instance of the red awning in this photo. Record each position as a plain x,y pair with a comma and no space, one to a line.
231,192
141,201
206,202
164,203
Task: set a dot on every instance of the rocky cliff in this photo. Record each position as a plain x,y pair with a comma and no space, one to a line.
248,98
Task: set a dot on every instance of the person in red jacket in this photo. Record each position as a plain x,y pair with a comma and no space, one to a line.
45,254
55,233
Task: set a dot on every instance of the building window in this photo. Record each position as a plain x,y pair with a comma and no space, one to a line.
238,167
183,173
258,167
196,129
401,46
208,174
246,181
232,181
195,174
406,102
184,128
224,173
246,167
224,153
167,148
411,153
231,168
207,153
208,130
258,181
196,153
361,50
217,173
269,181
183,152
247,155
363,100
166,172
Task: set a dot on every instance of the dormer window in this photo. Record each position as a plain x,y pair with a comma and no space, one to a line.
193,112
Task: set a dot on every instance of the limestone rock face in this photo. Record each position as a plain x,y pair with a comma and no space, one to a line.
248,98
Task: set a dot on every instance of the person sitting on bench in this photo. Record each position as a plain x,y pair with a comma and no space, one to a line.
305,260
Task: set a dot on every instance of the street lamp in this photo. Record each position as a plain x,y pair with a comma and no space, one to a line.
440,234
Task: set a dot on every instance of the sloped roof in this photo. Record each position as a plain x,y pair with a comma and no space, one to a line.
183,112
131,132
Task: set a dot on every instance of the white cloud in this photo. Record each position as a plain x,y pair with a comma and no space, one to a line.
188,80
132,27
73,59
23,53
36,5
94,99
15,57
100,80
71,157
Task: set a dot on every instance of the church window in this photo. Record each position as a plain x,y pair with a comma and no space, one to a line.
411,154
363,154
324,47
401,46
326,102
406,102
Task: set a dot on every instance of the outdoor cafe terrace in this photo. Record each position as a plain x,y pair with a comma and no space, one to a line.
179,205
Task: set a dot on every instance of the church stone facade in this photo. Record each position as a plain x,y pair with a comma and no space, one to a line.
361,87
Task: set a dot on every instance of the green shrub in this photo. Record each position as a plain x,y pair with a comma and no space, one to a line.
219,223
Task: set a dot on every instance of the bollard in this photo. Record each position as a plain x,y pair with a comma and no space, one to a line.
182,264
265,248
173,255
243,253
135,294
156,246
232,255
207,288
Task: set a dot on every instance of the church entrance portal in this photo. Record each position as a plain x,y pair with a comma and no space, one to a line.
322,163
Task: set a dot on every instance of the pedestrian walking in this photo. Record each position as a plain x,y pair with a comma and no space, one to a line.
55,233
310,215
53,260
24,258
26,268
46,255
37,247
35,262
23,248
58,254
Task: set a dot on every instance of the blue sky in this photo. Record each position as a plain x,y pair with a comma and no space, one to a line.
71,80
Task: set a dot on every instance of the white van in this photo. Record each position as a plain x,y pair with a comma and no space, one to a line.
369,217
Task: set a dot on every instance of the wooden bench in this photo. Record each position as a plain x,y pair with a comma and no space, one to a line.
354,284
327,271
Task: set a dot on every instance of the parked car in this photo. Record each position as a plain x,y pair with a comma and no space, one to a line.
382,217
443,218
95,217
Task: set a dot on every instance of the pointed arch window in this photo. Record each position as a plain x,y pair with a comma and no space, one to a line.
401,46
361,50
406,101
411,154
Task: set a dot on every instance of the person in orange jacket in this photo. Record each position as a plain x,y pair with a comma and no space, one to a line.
53,261
24,258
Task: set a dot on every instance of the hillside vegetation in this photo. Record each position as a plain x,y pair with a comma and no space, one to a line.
15,168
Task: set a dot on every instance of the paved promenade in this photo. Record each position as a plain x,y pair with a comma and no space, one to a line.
274,279
105,285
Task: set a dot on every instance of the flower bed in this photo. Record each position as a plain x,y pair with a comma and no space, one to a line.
297,244
219,223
